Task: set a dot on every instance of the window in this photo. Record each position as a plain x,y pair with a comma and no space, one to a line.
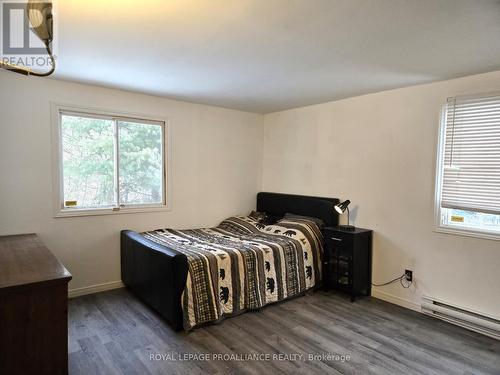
468,173
108,164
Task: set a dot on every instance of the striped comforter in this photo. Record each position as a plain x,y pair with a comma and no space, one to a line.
242,265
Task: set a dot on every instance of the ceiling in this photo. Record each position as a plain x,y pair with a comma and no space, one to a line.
268,55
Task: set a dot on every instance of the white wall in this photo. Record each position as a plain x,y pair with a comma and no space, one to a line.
216,170
379,150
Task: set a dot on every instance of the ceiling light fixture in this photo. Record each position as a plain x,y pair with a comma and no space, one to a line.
39,14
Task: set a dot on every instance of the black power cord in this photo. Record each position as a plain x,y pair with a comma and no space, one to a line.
400,279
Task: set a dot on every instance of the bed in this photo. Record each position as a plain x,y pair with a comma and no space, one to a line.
200,276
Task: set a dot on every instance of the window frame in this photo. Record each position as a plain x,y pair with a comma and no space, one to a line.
439,227
59,210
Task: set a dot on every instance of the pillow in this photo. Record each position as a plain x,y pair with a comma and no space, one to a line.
270,220
263,218
257,216
315,220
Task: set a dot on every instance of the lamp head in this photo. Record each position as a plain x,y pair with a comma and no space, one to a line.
40,17
341,207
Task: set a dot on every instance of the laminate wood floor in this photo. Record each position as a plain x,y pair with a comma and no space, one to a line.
114,333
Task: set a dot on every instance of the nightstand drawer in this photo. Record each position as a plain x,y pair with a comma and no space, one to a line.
339,244
337,236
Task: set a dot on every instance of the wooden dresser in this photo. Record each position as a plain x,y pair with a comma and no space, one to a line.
33,308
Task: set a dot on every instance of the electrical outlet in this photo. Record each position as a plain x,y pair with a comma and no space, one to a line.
409,275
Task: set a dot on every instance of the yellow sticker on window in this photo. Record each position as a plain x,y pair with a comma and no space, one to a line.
71,203
457,219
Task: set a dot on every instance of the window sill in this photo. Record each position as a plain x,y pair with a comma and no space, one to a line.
109,211
468,233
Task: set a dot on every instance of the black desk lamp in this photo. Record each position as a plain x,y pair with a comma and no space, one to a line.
340,208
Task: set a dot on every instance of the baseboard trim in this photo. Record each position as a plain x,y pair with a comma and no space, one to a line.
396,300
72,293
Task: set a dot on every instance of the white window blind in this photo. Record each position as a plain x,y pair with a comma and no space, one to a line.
471,163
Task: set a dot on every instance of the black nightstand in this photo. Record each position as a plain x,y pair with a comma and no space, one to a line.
347,260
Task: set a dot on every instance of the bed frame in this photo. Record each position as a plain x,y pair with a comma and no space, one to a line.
157,274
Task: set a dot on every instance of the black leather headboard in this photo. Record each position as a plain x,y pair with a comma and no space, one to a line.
277,204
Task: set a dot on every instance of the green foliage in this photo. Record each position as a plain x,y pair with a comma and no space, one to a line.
89,162
140,163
